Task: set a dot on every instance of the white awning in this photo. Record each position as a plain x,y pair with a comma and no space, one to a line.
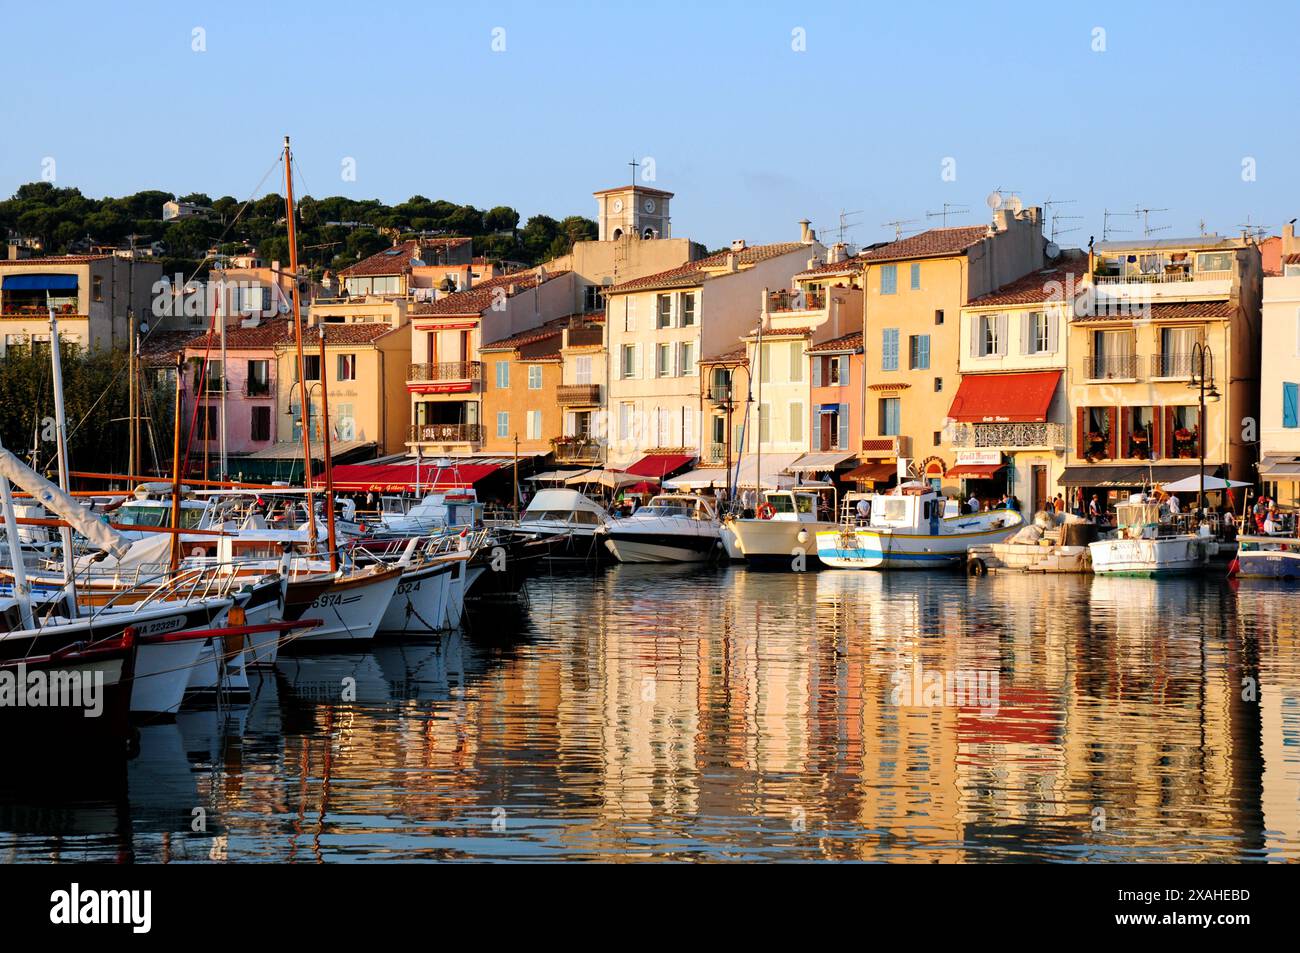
1192,484
1279,467
773,476
820,462
555,476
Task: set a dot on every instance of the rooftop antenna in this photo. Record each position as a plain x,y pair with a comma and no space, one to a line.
1203,231
1048,205
948,209
898,224
1001,197
1145,215
1107,228
1258,231
845,223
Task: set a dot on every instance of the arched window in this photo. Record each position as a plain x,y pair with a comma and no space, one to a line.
618,233
649,233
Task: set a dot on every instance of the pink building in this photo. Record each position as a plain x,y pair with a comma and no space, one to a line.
247,380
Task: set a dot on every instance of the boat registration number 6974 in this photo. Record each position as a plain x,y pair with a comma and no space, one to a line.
328,599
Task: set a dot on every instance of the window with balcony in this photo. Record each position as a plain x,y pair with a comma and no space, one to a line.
1220,261
346,367
888,279
1175,358
918,352
890,416
1113,355
664,311
1141,435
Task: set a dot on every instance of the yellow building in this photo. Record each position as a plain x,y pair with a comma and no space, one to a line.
915,290
1152,311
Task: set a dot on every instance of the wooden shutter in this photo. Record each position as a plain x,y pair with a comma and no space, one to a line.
974,328
1169,431
923,352
1002,334
1053,331
1125,422
1156,429
1080,431
816,371
844,427
1112,438
845,364
1026,329
816,443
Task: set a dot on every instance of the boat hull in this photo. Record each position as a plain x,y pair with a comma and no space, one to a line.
632,546
877,548
1161,556
776,542
419,605
350,608
1269,565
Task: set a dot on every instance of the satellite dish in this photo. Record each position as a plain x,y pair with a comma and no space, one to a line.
994,200
1014,204
1052,249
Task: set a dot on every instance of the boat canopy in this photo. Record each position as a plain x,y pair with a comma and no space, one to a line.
100,534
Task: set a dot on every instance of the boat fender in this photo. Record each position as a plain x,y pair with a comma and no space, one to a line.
977,567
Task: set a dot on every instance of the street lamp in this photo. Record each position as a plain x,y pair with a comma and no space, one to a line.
1202,380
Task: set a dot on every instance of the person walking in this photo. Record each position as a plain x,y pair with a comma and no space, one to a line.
1094,511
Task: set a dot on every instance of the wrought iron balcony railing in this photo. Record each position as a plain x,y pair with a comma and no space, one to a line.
446,433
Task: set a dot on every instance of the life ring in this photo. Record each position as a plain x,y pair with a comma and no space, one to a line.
766,511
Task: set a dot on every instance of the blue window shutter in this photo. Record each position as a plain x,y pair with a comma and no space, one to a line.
889,350
816,371
888,279
916,276
816,427
925,351
845,364
844,427
1290,405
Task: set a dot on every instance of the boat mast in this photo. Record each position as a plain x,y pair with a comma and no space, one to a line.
176,464
302,360
22,593
61,442
758,458
219,314
329,463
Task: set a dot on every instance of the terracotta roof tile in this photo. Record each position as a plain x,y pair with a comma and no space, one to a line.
1291,259
279,332
1173,311
932,243
846,342
695,272
478,299
159,348
55,260
402,257
848,266
1041,285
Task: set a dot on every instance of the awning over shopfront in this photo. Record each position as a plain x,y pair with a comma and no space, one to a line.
40,282
283,461
1132,476
774,477
405,477
820,462
554,476
1004,398
976,471
1274,467
873,473
659,464
612,479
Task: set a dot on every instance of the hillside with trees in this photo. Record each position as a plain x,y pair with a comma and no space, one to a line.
333,232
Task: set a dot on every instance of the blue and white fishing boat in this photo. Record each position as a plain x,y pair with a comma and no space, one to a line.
912,527
1267,557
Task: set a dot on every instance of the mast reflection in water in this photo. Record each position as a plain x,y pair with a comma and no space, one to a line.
681,713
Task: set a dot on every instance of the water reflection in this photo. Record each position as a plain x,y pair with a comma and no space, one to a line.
660,712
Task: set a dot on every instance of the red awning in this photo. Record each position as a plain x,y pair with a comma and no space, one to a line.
975,471
1004,398
872,473
399,477
659,464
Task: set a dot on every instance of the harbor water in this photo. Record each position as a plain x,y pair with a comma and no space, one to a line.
722,714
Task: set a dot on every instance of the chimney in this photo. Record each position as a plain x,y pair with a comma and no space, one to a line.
738,245
805,231
1289,244
731,261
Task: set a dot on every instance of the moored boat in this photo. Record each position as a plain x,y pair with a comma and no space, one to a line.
671,528
784,530
1267,557
1146,542
912,527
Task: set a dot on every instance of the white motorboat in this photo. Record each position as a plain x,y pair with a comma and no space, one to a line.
671,528
912,527
436,512
570,518
784,530
1148,542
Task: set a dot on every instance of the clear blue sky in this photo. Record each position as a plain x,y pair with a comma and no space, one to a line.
749,134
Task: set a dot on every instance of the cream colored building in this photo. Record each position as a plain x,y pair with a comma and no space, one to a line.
1009,419
93,297
1279,463
660,325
